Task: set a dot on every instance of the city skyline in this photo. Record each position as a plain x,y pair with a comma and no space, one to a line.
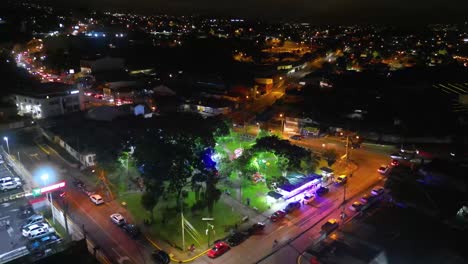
332,11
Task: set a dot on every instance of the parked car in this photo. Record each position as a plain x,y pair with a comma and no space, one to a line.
44,242
218,249
9,179
322,191
291,207
296,137
342,179
27,230
330,226
161,257
367,198
377,191
41,232
356,206
132,230
117,219
308,198
10,186
96,199
236,238
37,218
256,228
383,169
278,215
395,162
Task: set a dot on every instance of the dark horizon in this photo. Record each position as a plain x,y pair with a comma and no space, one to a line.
399,12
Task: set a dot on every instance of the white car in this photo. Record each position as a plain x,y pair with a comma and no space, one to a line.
41,232
308,198
377,191
28,230
10,179
117,219
10,186
383,169
96,199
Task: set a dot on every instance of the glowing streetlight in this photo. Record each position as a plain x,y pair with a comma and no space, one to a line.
45,177
282,124
8,146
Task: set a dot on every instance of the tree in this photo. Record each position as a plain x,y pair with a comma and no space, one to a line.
149,200
330,155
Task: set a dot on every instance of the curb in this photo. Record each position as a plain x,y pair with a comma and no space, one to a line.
174,259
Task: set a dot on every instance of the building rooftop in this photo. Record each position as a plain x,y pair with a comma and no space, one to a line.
51,89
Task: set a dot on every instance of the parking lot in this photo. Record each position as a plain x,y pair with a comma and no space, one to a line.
11,220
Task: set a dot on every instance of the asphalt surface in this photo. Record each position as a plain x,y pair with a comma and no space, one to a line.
95,220
11,214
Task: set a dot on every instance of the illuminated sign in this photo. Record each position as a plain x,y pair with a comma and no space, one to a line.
36,192
74,92
53,187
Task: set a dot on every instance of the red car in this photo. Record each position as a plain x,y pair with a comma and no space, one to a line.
278,215
218,249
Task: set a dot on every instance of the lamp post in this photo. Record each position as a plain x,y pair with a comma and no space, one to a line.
8,146
208,225
45,178
282,124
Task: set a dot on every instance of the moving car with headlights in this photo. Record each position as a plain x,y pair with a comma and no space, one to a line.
219,249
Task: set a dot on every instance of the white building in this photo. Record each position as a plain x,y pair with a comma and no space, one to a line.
48,99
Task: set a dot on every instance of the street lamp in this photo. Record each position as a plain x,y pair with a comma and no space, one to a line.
8,146
282,124
45,178
208,225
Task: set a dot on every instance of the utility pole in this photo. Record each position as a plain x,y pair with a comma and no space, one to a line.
183,229
208,225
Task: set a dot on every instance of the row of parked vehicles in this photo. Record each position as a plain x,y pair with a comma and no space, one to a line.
40,234
222,246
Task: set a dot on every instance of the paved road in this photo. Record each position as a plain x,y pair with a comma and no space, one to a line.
364,178
115,243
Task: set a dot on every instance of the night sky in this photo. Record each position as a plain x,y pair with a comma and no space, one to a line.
329,11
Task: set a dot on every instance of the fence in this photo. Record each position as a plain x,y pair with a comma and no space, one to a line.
77,232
